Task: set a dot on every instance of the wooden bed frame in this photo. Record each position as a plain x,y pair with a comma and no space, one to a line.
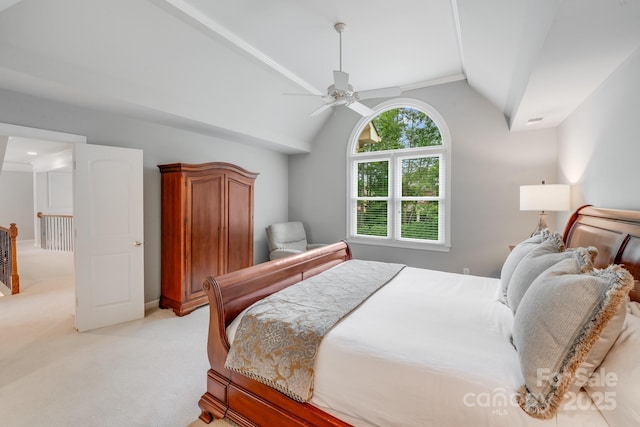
616,234
247,402
241,399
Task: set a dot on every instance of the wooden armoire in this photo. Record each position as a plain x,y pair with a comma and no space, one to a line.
207,228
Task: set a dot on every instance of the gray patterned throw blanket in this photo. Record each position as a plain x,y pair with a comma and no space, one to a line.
278,338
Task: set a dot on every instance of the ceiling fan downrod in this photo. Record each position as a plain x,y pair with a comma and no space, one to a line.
340,27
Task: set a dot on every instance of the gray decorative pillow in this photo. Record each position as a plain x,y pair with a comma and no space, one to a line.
600,350
542,257
516,255
558,322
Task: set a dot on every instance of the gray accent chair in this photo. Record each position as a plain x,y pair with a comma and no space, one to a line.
288,238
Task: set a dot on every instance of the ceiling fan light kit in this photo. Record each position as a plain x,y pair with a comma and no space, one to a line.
342,93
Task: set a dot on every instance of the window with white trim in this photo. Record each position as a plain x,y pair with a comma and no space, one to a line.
398,166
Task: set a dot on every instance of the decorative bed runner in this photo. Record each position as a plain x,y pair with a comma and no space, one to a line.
278,338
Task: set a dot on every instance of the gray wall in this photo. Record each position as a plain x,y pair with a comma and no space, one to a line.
160,144
489,163
599,144
16,190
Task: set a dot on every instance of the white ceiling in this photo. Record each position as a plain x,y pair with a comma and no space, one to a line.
29,154
24,150
221,67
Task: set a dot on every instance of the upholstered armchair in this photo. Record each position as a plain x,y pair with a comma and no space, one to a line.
287,238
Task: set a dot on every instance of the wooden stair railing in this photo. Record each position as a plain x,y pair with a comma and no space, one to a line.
9,258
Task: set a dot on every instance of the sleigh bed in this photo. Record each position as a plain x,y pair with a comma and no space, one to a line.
430,348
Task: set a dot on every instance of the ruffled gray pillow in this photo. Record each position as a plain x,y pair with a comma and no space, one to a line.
519,252
559,321
542,257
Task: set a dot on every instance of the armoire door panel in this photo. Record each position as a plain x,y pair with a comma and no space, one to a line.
207,215
240,224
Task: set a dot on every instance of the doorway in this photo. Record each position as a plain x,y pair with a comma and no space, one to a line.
108,228
27,157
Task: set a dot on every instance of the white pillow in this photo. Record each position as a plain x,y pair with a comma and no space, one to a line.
615,386
634,308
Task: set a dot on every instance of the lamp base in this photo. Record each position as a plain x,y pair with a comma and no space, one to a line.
542,224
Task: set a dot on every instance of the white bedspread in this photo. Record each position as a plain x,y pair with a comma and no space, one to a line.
429,349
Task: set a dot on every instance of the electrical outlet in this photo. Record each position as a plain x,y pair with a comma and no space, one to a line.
465,270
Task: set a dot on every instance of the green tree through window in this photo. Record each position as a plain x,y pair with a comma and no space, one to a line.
402,128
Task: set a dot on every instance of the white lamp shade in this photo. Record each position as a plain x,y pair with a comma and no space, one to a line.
545,197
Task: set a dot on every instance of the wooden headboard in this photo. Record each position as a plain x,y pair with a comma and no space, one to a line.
616,234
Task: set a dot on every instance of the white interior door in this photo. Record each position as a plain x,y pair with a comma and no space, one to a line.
108,221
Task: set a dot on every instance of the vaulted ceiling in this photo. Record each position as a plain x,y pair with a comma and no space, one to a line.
222,67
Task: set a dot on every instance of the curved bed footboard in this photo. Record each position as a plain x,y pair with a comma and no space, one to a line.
233,395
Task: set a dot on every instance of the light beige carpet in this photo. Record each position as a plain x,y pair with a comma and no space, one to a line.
149,372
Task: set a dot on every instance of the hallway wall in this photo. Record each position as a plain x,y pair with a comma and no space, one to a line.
16,206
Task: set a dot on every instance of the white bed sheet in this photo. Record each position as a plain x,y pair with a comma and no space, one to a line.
429,349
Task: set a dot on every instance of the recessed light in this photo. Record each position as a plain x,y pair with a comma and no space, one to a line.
32,153
534,120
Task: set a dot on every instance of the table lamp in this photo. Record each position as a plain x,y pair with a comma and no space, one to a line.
544,197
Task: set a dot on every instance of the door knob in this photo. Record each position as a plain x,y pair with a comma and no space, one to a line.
136,243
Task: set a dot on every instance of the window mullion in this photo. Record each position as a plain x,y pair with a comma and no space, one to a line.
396,174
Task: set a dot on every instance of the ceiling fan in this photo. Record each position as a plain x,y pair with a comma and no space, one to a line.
342,93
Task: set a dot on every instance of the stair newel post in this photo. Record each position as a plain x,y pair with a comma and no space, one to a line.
15,278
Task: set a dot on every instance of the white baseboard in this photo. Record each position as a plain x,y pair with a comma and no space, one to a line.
151,304
26,243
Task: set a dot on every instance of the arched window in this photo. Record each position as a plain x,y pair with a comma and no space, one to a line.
398,164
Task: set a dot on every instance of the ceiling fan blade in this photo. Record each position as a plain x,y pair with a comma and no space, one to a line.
341,80
321,109
385,92
303,94
361,109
